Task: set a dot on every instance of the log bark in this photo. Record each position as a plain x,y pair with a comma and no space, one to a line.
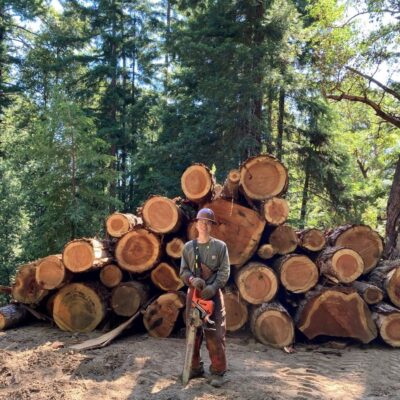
387,319
161,215
337,312
362,239
371,294
262,177
118,224
311,239
138,251
276,211
340,264
81,255
111,275
387,277
239,227
266,251
296,272
11,316
283,239
166,278
257,283
198,183
80,307
25,288
236,309
230,189
272,325
51,272
128,297
161,315
174,248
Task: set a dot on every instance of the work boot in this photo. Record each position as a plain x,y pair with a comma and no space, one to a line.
197,372
217,380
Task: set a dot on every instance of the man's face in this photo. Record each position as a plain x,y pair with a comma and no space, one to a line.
204,226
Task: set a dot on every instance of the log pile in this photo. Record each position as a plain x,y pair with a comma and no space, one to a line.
322,283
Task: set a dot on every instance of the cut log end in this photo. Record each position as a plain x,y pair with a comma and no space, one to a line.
393,287
197,183
276,211
312,239
118,224
236,310
161,215
266,251
174,248
110,275
283,239
78,256
127,298
50,272
166,278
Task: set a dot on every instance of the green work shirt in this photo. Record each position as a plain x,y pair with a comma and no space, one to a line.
214,254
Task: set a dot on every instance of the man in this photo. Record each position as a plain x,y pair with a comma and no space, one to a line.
213,258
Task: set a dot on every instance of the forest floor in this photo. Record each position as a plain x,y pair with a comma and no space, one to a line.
36,363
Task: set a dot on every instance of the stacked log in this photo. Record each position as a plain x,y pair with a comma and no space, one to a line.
282,279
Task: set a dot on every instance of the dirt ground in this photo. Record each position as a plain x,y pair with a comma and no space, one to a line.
140,367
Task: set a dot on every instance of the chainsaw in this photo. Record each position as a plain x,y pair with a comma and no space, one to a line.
199,316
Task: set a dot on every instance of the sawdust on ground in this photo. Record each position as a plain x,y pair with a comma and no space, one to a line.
35,365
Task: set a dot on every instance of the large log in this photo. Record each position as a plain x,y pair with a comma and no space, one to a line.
262,177
371,294
161,215
297,273
198,183
161,315
230,189
276,210
11,316
272,325
239,227
311,239
387,319
256,282
25,288
236,309
165,277
387,277
128,297
51,272
138,250
174,248
340,264
362,239
111,275
118,224
79,307
283,239
336,311
81,255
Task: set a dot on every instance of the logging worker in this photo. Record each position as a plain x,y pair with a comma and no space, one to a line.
212,256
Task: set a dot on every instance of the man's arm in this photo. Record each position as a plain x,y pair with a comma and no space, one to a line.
224,269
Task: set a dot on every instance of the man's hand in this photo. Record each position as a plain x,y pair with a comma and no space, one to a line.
208,292
198,283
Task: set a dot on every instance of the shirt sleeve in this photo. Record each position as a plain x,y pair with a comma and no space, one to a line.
185,273
224,269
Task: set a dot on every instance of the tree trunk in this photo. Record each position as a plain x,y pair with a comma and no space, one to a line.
257,283
272,325
111,275
340,264
239,227
198,183
161,215
311,239
304,200
371,294
236,309
276,211
362,239
387,277
80,307
281,117
128,297
161,315
387,319
297,273
51,272
25,288
138,251
262,177
392,247
174,248
81,255
11,316
283,239
166,278
337,312
118,224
